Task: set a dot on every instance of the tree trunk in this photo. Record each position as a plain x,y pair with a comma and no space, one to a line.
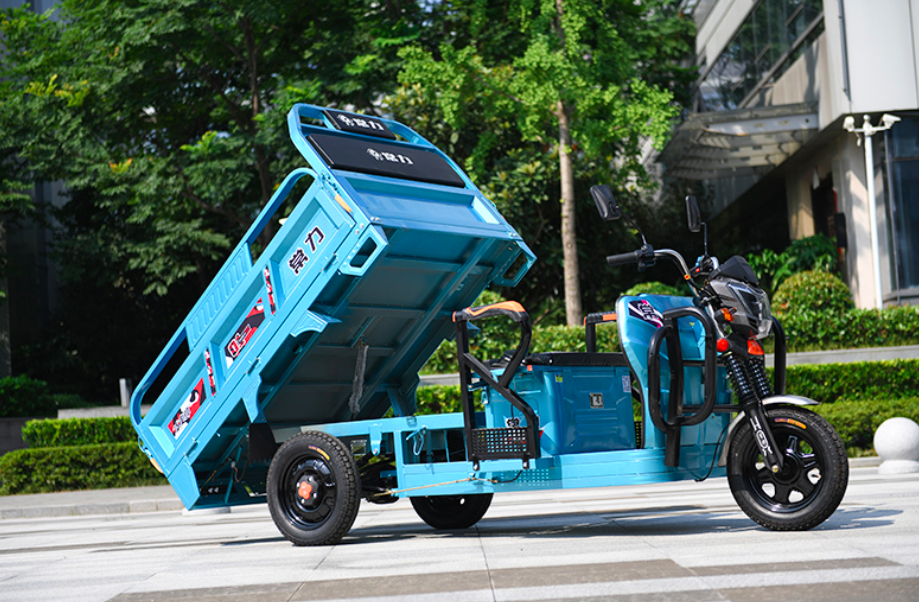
573,312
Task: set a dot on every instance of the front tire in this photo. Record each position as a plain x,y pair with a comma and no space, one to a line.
452,511
810,485
313,489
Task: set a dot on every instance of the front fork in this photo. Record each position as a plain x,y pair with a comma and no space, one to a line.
751,384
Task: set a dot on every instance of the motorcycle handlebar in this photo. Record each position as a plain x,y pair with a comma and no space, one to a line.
624,258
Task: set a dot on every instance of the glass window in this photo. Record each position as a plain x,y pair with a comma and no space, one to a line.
770,36
795,20
904,173
763,46
905,137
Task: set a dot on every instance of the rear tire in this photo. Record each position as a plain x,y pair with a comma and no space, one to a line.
452,511
313,489
810,485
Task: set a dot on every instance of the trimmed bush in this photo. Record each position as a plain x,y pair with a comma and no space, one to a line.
814,291
78,431
75,468
21,396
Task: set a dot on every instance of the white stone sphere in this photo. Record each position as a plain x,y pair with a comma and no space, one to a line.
897,443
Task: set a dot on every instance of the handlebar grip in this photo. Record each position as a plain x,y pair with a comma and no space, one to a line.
624,258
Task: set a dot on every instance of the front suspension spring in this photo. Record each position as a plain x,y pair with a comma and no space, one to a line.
740,380
757,369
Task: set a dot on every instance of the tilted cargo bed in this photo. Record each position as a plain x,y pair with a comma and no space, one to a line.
335,317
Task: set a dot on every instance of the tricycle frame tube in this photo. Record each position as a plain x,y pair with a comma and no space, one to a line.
779,357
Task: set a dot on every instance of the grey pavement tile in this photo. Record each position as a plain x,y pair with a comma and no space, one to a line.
886,590
421,583
686,596
248,593
538,576
785,567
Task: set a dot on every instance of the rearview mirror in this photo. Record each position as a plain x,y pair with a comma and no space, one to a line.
606,204
692,213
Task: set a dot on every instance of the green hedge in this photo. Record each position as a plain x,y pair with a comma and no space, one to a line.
828,383
78,467
78,431
856,421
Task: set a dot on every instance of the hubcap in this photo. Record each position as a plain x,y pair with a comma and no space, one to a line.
797,484
309,492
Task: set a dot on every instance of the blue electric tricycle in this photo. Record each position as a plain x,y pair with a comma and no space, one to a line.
292,381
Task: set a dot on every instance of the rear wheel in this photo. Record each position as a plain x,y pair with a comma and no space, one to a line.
452,511
813,478
313,489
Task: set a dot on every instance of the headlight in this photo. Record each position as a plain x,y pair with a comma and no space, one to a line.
749,306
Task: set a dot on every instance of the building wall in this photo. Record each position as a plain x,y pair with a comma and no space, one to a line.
866,63
881,55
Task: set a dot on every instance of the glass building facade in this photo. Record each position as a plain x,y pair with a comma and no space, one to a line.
902,142
771,37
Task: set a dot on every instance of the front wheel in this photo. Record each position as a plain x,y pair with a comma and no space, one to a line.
452,511
313,489
813,478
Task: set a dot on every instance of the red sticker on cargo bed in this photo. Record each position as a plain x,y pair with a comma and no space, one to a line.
244,333
187,410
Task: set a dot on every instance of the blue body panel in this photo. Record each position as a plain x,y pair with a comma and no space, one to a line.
580,409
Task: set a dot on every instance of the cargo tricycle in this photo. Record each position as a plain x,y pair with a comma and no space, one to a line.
293,379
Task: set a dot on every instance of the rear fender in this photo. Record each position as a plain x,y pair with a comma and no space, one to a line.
793,400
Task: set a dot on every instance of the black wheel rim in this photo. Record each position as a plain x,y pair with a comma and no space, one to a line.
799,482
308,492
446,505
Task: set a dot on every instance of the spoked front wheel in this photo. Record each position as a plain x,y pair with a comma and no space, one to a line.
813,478
313,489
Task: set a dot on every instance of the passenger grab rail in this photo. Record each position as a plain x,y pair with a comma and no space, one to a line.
675,419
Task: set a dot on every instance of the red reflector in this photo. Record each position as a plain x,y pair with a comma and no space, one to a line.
754,348
722,345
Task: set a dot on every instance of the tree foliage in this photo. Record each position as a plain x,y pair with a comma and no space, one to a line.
568,84
165,119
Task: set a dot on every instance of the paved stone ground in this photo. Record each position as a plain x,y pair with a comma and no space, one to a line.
682,542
